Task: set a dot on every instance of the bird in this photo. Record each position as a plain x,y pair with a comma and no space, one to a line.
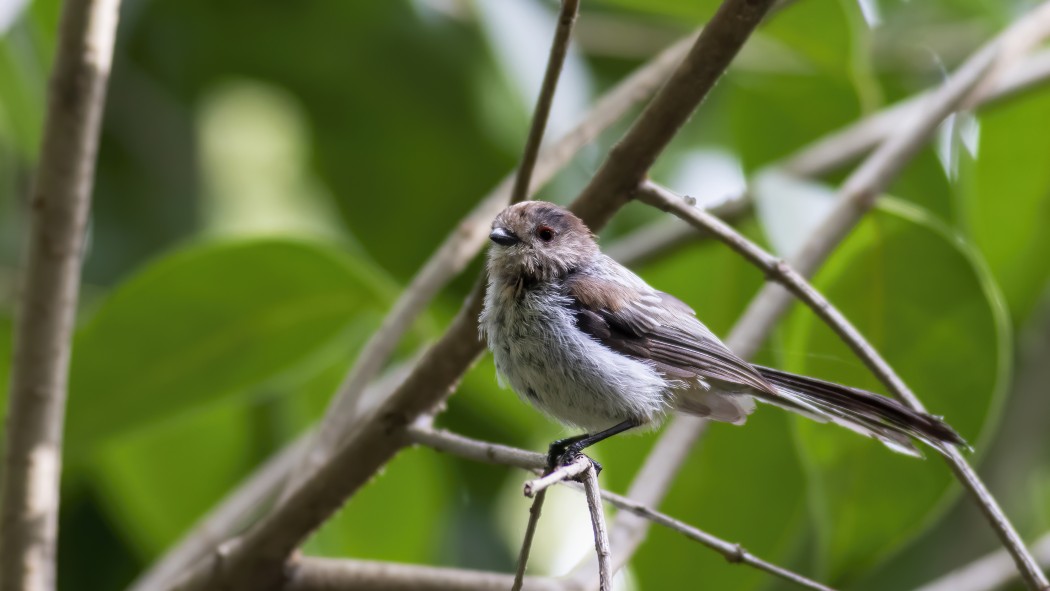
591,345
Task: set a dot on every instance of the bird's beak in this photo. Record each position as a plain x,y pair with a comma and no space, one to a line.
503,237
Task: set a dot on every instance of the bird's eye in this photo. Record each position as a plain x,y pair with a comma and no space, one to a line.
545,233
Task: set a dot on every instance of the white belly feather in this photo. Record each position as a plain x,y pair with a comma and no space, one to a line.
562,371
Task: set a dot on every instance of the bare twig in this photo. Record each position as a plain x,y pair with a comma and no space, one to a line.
527,540
988,572
567,472
47,306
857,195
601,534
494,453
327,574
734,553
655,240
559,48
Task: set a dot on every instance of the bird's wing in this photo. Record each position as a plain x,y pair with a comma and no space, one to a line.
623,313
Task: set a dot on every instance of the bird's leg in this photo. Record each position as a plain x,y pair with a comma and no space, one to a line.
564,451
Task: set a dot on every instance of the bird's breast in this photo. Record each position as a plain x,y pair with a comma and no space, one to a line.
550,363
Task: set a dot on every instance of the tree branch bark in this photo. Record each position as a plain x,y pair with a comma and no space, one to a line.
328,574
47,306
559,48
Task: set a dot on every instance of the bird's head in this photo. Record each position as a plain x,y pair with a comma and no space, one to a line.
538,241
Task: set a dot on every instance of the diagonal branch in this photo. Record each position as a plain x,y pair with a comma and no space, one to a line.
559,48
530,535
47,307
601,534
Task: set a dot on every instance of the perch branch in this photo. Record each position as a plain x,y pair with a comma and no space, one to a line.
559,48
569,471
61,200
527,540
494,453
601,533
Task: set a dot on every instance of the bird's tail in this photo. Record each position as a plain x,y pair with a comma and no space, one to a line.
869,414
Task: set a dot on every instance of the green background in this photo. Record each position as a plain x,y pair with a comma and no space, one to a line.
272,174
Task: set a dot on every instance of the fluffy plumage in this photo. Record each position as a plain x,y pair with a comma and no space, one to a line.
592,345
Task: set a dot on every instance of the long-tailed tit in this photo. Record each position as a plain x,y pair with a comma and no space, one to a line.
592,345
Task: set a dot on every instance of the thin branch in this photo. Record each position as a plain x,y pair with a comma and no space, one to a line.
527,540
989,572
328,574
559,48
601,534
658,239
734,553
857,195
47,306
567,472
494,453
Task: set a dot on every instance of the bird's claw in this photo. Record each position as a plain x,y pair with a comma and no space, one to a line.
560,455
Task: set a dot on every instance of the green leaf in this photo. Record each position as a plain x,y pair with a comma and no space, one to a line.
926,303
1005,201
21,93
209,321
155,483
398,516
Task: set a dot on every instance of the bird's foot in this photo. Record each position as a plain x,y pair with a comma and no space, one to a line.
564,452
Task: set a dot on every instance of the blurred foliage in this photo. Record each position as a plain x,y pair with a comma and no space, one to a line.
272,174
